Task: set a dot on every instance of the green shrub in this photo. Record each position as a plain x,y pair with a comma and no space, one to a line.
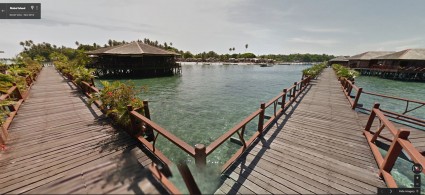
315,70
81,73
115,97
5,82
344,72
4,113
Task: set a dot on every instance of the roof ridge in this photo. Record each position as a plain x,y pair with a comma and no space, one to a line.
141,50
405,52
118,47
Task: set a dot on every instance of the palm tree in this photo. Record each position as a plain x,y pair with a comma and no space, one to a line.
233,48
230,49
77,43
246,46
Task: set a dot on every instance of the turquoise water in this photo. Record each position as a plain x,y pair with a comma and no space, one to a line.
205,102
208,100
409,90
402,171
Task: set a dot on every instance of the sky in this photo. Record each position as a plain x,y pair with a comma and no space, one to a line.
337,27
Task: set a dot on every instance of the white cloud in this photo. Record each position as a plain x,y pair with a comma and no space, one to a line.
324,30
326,42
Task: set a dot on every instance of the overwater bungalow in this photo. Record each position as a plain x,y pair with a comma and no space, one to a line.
366,59
408,64
343,60
134,59
406,59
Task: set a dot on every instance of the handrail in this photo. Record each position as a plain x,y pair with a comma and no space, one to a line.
88,89
294,91
171,137
214,145
400,142
12,93
393,97
347,87
143,124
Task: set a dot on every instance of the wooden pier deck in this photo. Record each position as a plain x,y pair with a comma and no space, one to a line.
58,144
317,146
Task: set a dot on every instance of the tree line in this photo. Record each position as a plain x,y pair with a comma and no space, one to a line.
42,52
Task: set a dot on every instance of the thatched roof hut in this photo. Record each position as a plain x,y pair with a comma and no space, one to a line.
343,60
366,59
406,58
134,59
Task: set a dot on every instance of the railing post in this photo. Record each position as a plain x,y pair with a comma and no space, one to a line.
371,117
284,98
261,118
134,127
294,90
18,93
350,88
200,155
188,178
393,152
92,82
90,87
359,92
149,131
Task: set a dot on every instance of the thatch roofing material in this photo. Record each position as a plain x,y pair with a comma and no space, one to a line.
408,54
339,59
133,48
369,55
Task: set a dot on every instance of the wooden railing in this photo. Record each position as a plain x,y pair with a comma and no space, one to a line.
157,170
146,131
15,95
142,125
348,87
292,93
400,142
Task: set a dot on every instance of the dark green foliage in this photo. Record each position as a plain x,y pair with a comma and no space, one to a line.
342,71
315,70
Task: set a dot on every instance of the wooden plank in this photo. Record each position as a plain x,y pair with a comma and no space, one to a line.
317,146
58,145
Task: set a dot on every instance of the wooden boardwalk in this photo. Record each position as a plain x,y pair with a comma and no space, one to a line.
316,147
60,145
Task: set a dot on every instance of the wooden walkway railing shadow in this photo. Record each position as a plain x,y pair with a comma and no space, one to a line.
244,170
318,147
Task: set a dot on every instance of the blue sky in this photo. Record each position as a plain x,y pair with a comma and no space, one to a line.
339,27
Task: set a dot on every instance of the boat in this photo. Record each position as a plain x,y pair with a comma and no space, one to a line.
266,65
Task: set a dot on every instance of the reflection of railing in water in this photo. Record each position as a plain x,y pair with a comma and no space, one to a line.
400,142
349,86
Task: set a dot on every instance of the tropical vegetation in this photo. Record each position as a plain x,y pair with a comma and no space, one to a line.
17,73
115,97
344,72
315,70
